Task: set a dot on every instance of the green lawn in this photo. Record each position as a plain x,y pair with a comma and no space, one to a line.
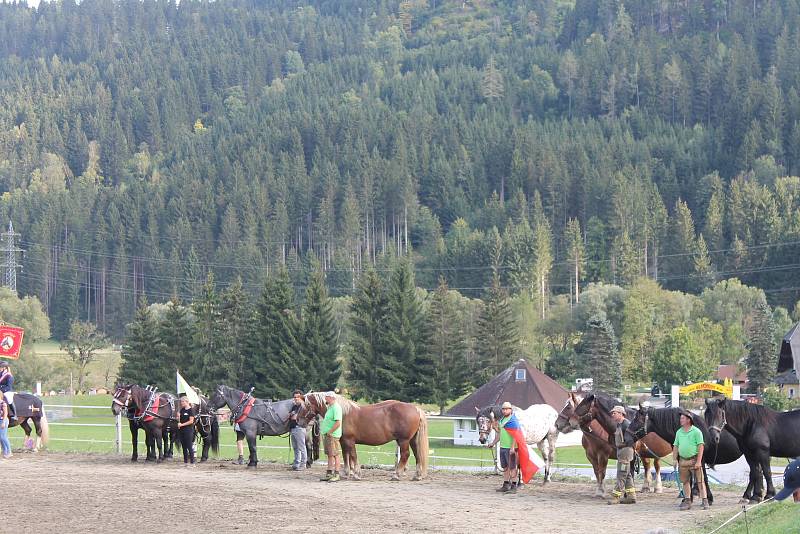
101,438
770,518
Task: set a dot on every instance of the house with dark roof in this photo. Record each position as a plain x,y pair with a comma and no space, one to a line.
790,350
521,384
788,382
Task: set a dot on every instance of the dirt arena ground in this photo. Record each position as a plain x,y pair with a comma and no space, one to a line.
57,493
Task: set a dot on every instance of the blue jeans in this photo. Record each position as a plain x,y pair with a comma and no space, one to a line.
4,438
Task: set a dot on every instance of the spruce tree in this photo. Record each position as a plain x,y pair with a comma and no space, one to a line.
448,347
278,365
372,374
237,325
497,345
140,348
407,335
761,349
319,342
207,361
175,332
599,357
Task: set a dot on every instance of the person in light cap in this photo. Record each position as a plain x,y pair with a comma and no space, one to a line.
331,428
508,458
624,442
791,482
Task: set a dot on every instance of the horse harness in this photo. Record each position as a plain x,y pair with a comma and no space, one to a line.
243,411
153,405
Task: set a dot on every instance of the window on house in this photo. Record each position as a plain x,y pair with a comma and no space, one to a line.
791,393
520,375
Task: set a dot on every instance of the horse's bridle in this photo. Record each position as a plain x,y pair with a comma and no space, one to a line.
643,431
118,402
724,421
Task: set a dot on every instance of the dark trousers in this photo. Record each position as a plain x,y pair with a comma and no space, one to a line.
186,435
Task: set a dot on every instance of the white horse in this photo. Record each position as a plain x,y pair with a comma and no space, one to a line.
538,424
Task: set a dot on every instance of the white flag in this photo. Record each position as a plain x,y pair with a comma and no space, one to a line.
184,387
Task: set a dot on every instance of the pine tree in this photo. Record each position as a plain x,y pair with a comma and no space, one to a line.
140,348
761,349
599,357
207,360
177,343
575,254
704,275
407,335
237,325
372,373
319,342
492,86
497,340
448,347
278,366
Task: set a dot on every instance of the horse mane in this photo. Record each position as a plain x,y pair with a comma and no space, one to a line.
346,404
606,401
745,411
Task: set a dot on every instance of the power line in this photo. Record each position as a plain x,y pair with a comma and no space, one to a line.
11,265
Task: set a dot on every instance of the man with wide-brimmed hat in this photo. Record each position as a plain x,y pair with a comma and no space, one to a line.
623,492
508,458
687,453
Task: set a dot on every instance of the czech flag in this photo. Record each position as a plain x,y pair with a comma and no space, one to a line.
526,466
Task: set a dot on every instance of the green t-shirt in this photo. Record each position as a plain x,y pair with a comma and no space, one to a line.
506,441
333,414
689,442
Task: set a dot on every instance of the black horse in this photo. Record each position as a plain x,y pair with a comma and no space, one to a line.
665,422
152,412
760,434
254,417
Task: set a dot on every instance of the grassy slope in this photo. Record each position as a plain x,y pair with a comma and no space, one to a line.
769,518
108,360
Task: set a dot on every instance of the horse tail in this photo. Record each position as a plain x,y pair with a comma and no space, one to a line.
45,428
421,440
214,435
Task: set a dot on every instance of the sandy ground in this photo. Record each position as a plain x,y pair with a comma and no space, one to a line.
57,493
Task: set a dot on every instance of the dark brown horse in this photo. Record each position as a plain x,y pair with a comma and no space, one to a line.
597,440
376,424
29,408
155,413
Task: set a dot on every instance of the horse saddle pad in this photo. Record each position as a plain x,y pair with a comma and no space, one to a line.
27,405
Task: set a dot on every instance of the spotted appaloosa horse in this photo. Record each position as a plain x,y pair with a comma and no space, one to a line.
376,424
538,425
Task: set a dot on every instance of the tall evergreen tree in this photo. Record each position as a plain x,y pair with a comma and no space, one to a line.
448,348
599,357
140,349
207,362
497,339
762,355
319,341
177,344
237,328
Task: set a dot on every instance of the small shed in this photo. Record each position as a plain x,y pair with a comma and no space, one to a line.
790,350
521,384
788,382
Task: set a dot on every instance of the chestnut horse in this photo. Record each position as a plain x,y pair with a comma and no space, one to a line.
596,442
376,424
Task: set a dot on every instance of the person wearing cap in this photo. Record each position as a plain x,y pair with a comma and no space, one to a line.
297,432
186,430
331,428
508,458
623,492
687,452
7,387
791,482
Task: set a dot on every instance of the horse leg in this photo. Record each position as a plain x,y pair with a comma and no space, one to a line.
351,460
766,470
251,445
600,473
27,428
755,478
206,446
646,466
400,468
659,485
158,436
134,428
551,459
413,444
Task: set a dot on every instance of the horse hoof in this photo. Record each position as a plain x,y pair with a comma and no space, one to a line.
251,466
646,489
659,490
134,460
395,478
203,460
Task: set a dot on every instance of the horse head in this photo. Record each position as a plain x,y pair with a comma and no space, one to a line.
311,407
219,397
586,410
566,421
715,417
121,399
640,422
486,419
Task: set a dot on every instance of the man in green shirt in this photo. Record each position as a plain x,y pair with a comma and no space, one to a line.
508,458
331,428
687,452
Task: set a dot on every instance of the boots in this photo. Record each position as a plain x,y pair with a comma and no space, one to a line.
504,488
615,498
335,477
629,498
239,461
513,488
327,477
686,504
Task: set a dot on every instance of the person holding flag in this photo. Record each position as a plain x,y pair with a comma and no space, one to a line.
7,387
513,448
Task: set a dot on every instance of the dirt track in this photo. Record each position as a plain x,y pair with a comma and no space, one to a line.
82,493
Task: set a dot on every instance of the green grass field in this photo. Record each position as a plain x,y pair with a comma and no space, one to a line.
770,518
101,439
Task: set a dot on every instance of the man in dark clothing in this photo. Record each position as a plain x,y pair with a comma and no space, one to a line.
624,442
7,388
297,433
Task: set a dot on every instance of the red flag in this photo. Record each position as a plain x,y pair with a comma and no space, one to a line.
10,341
526,466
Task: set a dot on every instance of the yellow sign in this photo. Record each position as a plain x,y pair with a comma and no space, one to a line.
726,388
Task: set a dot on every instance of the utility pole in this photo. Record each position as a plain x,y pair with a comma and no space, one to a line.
10,249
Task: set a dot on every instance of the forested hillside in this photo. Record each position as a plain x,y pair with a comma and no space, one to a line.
146,144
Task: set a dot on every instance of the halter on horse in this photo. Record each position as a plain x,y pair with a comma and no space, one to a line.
151,411
253,416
